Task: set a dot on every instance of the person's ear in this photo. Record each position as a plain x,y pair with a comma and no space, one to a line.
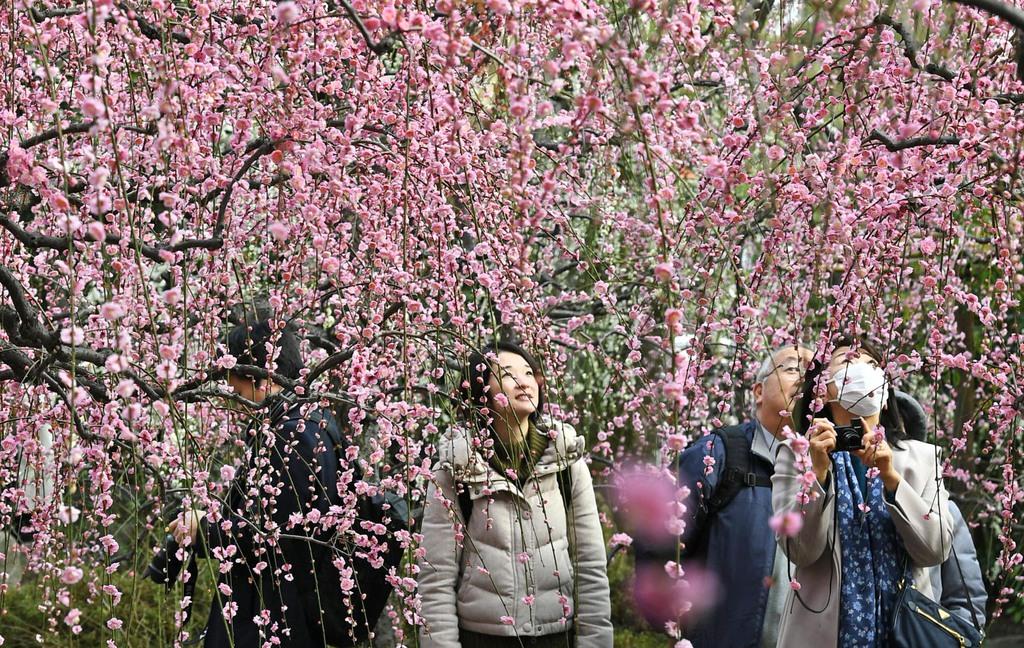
758,393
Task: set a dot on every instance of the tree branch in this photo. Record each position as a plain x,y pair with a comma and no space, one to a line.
382,46
1009,13
45,136
36,241
910,47
29,327
149,30
330,362
261,147
900,145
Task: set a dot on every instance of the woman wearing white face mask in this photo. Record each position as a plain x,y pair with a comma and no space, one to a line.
869,500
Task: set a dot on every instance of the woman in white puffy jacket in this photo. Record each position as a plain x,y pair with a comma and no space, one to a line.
513,553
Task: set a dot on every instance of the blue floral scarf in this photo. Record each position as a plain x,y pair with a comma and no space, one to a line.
872,557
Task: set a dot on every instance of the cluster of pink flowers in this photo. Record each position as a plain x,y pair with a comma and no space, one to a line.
650,196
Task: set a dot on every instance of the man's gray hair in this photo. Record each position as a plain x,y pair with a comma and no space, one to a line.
768,365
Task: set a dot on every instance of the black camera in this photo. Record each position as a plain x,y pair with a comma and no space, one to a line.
850,437
165,566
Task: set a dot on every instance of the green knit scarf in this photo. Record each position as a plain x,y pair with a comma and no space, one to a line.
521,456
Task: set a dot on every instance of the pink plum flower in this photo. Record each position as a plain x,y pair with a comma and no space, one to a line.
786,524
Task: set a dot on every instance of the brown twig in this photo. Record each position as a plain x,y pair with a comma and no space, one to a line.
36,241
910,47
382,46
913,142
29,326
1009,13
261,147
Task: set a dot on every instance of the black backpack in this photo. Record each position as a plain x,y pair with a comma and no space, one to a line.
739,472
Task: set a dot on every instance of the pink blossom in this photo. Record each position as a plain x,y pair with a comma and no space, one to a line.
74,336
173,296
661,597
507,620
68,514
620,539
675,526
800,445
674,569
808,478
786,524
644,497
73,617
71,575
286,12
663,271
279,230
112,311
330,265
96,231
166,370
93,108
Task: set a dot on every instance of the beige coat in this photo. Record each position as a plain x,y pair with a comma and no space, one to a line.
517,546
816,560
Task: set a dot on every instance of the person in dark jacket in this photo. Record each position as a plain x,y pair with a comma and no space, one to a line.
960,587
266,531
736,544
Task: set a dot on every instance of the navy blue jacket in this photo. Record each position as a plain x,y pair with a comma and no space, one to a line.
300,461
739,546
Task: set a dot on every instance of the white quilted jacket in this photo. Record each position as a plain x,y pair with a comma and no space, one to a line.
517,547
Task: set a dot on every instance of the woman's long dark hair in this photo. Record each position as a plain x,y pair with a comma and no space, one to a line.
477,373
889,418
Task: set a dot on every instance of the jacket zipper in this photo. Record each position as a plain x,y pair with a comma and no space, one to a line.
959,637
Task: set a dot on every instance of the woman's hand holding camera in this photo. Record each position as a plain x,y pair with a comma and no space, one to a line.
879,455
822,436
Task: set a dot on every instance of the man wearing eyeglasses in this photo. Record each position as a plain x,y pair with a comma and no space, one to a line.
729,533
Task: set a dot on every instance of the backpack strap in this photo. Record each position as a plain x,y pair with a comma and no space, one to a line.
465,502
738,473
564,486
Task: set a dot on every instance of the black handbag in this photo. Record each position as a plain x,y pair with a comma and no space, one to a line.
919,622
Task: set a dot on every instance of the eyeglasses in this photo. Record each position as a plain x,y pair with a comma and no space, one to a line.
791,368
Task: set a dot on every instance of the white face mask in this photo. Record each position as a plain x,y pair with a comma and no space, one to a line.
862,388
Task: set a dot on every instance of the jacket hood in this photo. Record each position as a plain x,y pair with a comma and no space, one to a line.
915,421
565,447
